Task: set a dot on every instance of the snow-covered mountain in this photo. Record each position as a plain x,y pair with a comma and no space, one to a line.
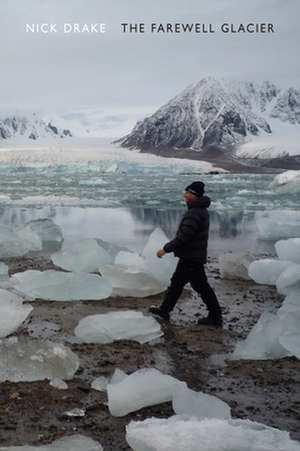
226,114
29,127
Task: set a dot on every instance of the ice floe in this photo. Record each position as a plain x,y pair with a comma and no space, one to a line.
189,434
128,281
3,271
58,383
235,266
291,303
81,256
272,337
71,443
289,279
101,382
120,325
145,387
27,359
199,405
131,260
288,181
266,271
141,275
12,312
163,268
278,224
18,242
49,233
288,250
62,286
276,335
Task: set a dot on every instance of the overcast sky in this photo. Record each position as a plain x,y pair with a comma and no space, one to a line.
116,71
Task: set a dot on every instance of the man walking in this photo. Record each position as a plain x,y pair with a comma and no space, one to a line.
190,245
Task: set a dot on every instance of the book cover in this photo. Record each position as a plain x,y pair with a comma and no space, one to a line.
138,139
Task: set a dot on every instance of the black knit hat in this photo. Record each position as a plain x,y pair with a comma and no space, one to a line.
196,188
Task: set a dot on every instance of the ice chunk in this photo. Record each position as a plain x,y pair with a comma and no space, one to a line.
112,249
49,233
18,242
129,282
189,434
235,266
30,360
267,270
199,405
277,224
58,383
81,256
289,279
118,376
288,181
62,286
265,339
100,383
289,250
120,325
291,342
112,169
145,387
3,271
291,303
70,443
130,260
76,412
162,269
148,263
12,312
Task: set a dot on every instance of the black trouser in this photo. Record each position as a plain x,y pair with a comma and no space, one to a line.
193,272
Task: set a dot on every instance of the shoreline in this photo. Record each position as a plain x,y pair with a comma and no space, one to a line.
263,391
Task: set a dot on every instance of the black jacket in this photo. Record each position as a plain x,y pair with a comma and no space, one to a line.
191,237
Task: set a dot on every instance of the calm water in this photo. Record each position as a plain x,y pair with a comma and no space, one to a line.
123,202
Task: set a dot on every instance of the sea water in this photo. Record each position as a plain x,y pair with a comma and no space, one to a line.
121,196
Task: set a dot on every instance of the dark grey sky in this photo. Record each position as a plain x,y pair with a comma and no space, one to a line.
111,71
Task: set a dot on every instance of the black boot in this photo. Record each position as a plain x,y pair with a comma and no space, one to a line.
210,321
156,311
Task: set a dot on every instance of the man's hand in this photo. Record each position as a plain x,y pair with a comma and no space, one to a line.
160,253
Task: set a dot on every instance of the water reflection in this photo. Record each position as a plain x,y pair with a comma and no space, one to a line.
230,230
